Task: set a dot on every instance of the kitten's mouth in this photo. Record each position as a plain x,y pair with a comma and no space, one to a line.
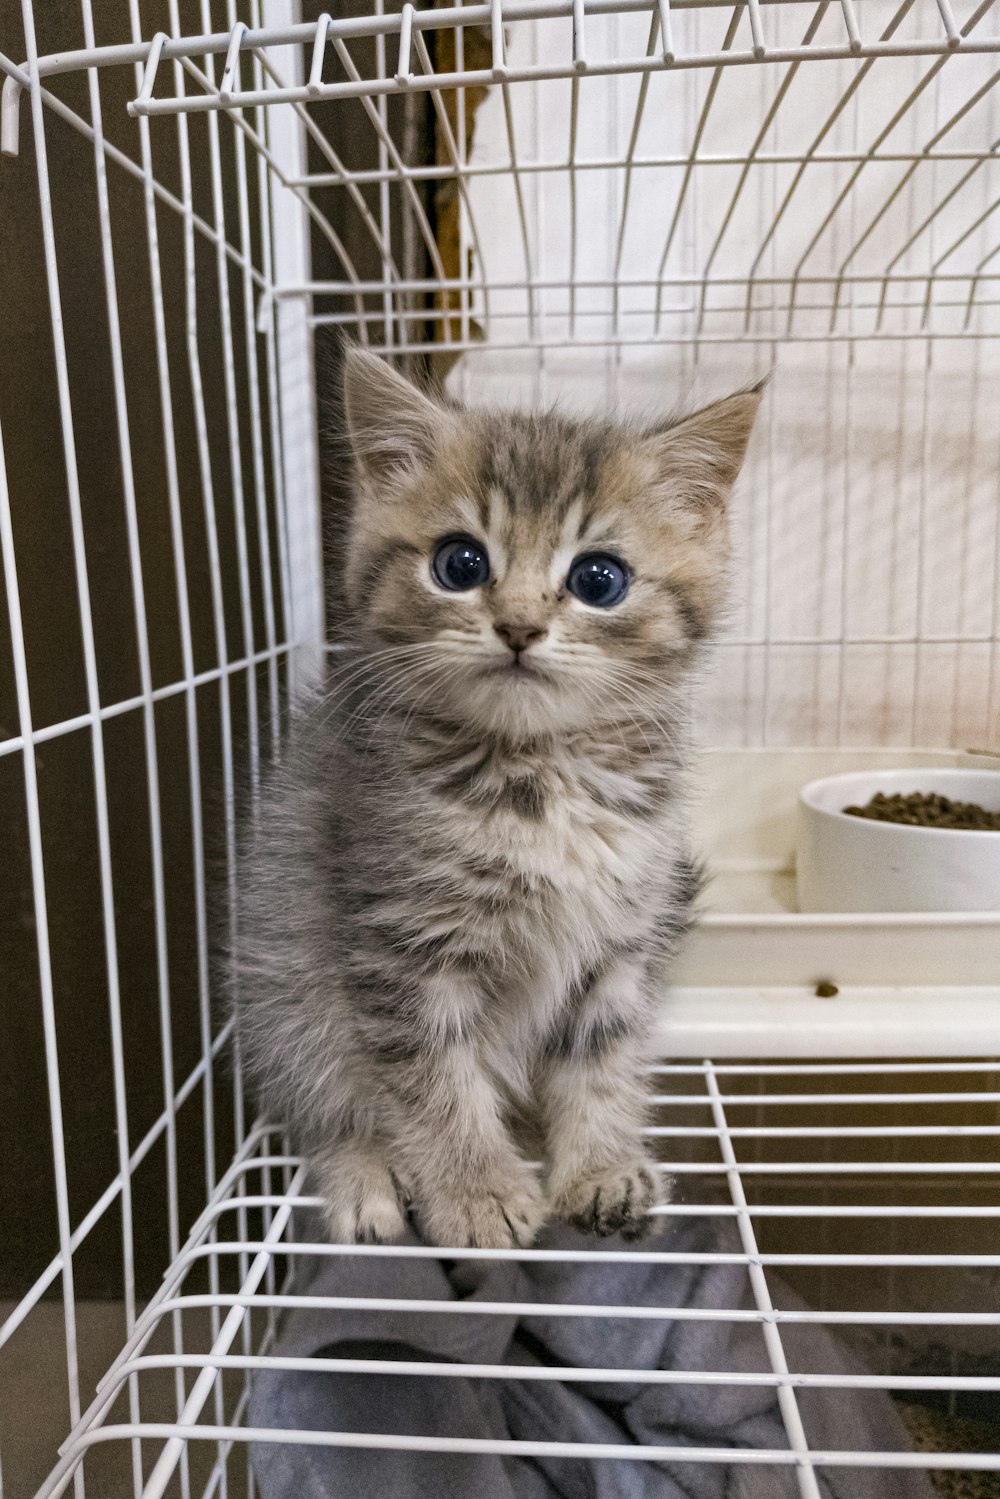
517,666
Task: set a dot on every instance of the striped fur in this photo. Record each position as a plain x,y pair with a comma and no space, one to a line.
467,879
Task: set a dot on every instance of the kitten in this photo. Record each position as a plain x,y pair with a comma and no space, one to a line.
470,871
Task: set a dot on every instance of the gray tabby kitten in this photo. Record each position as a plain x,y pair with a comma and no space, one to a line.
470,871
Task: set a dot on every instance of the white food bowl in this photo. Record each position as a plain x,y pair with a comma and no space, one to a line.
858,864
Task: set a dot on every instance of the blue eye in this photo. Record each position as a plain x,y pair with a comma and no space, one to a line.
460,564
598,580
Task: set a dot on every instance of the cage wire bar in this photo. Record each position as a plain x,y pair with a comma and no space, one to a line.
812,184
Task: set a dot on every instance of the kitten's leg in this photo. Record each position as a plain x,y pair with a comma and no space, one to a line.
448,1130
592,1089
471,1186
361,1194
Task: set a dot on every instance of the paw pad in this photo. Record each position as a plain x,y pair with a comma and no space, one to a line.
615,1200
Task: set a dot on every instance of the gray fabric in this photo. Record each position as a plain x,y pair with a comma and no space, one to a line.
741,1416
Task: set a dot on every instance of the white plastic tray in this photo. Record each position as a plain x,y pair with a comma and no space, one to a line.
750,933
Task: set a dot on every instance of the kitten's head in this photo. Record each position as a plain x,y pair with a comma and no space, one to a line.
532,574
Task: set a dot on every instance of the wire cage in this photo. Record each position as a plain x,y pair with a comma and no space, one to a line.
616,203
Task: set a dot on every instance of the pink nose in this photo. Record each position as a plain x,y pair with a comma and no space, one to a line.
519,637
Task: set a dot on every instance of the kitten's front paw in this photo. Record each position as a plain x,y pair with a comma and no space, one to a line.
505,1213
363,1200
612,1199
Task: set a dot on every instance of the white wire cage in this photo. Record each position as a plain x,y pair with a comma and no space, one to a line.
613,203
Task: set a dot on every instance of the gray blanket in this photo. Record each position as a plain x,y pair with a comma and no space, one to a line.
675,1415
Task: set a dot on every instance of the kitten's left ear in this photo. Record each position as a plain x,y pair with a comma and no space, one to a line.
702,454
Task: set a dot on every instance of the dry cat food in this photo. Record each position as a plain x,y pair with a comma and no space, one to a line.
928,810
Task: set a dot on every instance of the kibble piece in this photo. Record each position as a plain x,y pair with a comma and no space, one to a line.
826,990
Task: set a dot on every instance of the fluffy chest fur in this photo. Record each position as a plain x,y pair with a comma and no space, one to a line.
543,860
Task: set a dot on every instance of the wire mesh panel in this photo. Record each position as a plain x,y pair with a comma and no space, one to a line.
844,1232
620,203
629,204
143,686
626,205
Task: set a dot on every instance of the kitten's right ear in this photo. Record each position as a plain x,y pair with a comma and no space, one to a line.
392,426
702,454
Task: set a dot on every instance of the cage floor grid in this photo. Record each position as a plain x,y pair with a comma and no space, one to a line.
846,1216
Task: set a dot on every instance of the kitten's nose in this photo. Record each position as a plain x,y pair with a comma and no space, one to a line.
519,637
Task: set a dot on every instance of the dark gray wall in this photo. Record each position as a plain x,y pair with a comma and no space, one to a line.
50,606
